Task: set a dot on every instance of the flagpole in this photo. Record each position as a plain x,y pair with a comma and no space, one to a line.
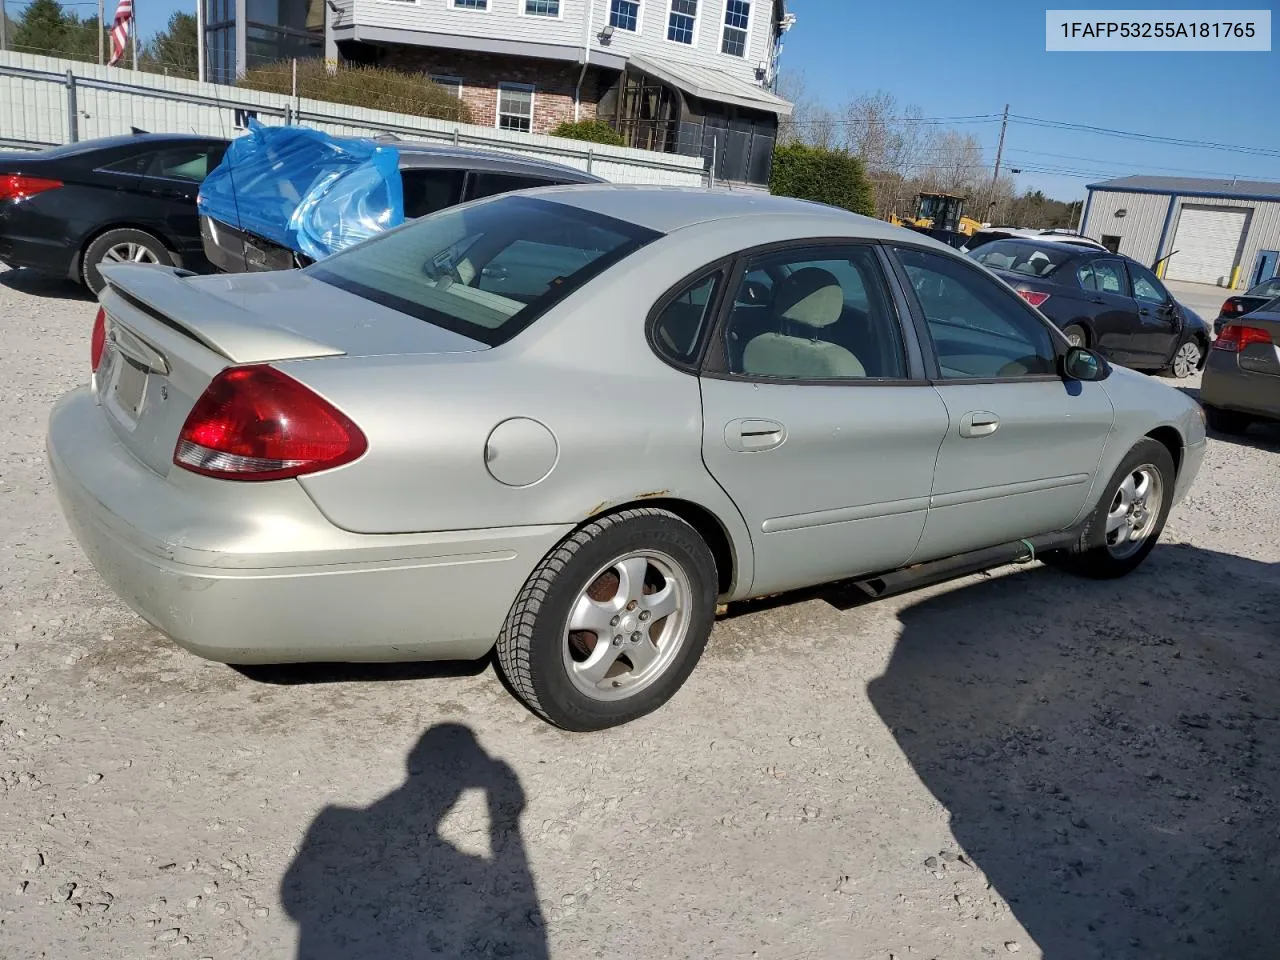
200,39
133,23
101,33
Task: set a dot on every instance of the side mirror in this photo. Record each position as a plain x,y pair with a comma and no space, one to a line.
1084,365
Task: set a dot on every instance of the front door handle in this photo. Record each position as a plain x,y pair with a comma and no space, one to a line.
979,423
754,435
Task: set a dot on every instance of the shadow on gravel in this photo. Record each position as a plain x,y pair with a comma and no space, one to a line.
35,284
1113,766
380,883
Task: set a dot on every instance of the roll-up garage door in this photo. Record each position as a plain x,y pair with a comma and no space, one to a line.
1207,240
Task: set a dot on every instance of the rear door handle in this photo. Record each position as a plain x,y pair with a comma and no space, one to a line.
979,423
754,435
1096,300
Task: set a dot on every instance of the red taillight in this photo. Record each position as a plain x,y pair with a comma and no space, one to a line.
1033,297
1235,338
98,339
256,423
16,186
1232,306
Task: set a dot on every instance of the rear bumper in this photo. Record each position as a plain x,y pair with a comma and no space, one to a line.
20,248
257,575
1228,386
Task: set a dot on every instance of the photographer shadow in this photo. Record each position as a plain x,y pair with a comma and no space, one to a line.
381,882
1108,753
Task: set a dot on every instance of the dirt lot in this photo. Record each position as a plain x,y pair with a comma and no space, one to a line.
1018,763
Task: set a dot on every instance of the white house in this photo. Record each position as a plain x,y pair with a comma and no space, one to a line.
693,77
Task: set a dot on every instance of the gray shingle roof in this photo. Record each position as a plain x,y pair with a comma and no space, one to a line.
1194,186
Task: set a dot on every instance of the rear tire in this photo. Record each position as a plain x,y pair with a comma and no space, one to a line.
1227,421
1126,524
1075,335
122,245
640,588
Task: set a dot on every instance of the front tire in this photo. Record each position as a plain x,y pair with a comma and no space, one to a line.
1129,518
1186,359
612,622
122,245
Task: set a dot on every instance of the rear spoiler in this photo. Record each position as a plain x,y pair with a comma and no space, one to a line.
164,295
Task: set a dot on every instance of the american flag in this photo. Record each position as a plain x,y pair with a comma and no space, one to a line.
120,31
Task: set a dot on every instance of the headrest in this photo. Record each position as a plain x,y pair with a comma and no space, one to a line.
810,296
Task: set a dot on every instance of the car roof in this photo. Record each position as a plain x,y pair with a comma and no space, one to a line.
420,156
667,209
1077,249
129,139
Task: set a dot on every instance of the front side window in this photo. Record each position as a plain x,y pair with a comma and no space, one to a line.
542,8
979,329
625,14
737,18
484,271
818,314
515,107
683,19
1145,285
678,329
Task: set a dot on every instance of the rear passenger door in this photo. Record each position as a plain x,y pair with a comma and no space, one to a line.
817,419
170,184
1115,313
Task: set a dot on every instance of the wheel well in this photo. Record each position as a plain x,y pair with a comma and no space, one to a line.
1172,441
701,519
158,234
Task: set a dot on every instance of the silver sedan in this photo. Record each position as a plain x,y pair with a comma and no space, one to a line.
570,422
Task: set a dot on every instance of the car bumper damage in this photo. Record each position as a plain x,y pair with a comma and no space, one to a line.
260,576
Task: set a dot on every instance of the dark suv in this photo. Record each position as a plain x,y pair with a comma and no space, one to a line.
433,177
1102,300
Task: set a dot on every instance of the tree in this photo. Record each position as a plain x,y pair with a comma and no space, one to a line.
42,29
834,177
174,50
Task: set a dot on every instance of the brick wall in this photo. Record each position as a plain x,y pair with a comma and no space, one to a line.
553,82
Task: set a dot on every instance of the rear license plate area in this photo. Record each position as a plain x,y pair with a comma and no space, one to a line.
128,385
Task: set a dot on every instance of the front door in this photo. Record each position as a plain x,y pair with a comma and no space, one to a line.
814,423
1265,267
1022,444
1157,317
169,187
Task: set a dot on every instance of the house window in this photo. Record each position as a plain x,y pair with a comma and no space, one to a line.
470,4
452,84
684,14
625,14
737,15
515,107
542,8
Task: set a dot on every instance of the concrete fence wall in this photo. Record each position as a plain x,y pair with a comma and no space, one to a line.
46,101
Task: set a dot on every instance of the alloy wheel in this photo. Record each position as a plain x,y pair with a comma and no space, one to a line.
1134,511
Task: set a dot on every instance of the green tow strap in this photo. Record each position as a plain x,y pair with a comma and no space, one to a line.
1031,550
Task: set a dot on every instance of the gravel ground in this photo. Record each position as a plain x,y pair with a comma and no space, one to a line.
1013,763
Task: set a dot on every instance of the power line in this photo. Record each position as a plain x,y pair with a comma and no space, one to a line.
1145,137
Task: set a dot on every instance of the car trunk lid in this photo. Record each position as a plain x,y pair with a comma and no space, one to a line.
168,334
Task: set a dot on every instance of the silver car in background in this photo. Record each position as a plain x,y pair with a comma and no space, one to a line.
569,422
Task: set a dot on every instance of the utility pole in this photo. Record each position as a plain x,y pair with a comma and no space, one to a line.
101,33
4,27
995,176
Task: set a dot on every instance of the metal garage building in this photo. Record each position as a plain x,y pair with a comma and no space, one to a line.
1224,232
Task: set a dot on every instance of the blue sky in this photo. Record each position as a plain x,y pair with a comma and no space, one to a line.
953,59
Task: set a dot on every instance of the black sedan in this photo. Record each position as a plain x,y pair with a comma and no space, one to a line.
67,209
1104,301
1252,299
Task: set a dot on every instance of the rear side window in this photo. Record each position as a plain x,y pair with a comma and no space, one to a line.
484,184
1028,259
1103,276
186,163
484,271
678,327
426,191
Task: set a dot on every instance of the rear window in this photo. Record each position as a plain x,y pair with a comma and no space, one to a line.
487,270
1017,256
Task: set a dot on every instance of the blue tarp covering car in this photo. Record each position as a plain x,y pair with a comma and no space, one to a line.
305,190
